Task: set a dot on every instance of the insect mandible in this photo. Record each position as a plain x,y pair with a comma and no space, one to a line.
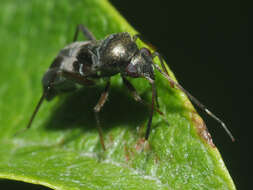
82,62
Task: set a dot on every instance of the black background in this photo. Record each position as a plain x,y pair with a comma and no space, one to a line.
206,44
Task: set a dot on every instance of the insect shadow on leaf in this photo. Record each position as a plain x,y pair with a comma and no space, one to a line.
75,110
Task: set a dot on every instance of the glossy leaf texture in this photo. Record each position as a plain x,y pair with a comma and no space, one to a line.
62,149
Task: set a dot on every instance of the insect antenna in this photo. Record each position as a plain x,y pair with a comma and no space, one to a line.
42,98
195,100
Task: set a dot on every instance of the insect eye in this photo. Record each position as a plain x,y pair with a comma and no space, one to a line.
145,51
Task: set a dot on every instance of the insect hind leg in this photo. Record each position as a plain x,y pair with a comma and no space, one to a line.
88,34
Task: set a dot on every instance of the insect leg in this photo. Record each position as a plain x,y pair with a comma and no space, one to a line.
133,91
88,34
136,96
156,54
156,97
76,77
97,109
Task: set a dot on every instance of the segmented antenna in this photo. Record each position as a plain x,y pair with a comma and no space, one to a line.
196,101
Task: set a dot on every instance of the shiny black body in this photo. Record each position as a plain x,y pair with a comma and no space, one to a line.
84,62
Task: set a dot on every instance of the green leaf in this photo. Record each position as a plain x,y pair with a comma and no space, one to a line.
62,149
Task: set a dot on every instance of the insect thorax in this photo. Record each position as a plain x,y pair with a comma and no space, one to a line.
116,51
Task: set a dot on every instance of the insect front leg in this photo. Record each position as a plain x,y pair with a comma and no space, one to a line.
88,34
136,96
97,109
132,90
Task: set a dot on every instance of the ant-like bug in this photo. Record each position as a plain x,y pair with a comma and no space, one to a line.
83,62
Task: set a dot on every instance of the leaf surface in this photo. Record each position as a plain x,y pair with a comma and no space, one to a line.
62,149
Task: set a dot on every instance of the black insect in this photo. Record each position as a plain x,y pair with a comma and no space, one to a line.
83,62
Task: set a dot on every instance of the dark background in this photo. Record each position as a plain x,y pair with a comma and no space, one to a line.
206,44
